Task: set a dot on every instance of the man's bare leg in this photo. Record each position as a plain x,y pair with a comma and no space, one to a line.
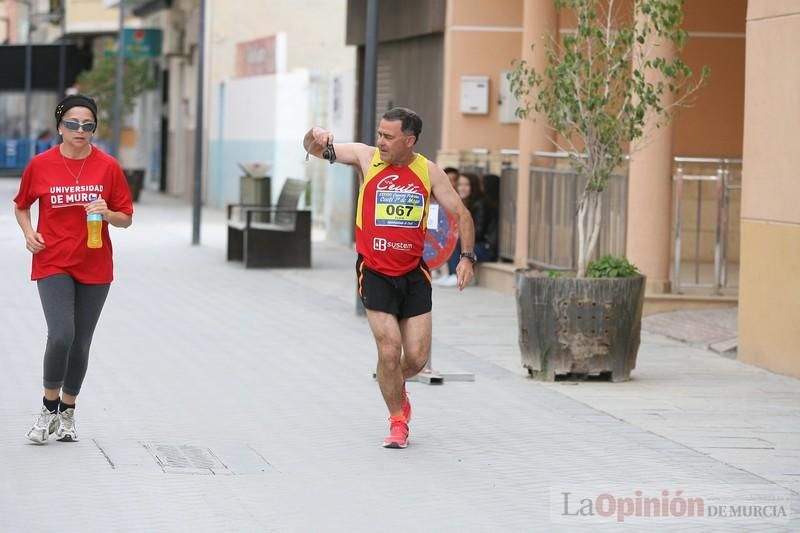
386,330
415,333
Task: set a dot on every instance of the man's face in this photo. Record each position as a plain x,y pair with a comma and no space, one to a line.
393,144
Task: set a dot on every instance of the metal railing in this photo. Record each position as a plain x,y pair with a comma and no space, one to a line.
555,191
507,214
475,161
724,175
482,161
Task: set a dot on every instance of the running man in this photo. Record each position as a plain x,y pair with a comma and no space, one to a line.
393,281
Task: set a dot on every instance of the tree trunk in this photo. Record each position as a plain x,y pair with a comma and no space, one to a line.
593,229
581,271
589,218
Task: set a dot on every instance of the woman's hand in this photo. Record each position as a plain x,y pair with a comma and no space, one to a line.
98,207
34,242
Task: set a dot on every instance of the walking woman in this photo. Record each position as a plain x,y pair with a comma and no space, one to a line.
77,186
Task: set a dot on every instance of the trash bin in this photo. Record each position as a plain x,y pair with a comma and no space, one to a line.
255,186
135,177
3,163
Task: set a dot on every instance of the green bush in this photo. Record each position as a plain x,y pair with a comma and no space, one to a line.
612,267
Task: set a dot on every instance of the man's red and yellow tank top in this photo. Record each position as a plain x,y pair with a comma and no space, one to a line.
391,216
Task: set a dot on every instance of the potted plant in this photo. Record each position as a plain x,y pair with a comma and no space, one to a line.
99,83
598,95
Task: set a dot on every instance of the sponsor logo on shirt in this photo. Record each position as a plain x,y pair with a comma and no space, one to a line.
381,245
388,184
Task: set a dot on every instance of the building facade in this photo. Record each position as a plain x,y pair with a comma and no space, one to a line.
770,227
735,138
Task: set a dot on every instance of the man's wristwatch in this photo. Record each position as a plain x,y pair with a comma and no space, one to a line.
470,256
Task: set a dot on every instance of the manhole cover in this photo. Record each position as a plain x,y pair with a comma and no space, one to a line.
186,459
219,458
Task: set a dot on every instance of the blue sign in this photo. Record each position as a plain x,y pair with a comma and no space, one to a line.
139,43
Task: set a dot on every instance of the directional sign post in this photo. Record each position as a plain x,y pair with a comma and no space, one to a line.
440,241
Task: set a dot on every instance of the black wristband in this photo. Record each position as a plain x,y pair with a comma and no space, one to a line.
329,153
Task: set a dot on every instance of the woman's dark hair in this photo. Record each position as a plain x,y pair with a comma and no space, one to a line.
75,100
474,189
411,124
451,170
491,190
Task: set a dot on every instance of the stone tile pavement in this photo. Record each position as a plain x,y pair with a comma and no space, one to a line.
220,399
716,329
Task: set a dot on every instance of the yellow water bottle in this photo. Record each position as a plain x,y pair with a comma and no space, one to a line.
94,227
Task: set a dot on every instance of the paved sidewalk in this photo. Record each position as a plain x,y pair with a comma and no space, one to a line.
220,399
715,329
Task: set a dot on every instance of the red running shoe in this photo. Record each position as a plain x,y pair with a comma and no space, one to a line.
398,433
406,405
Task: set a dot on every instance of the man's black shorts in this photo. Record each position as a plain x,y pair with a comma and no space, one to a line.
402,296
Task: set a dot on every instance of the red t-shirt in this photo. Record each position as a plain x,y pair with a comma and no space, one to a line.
63,186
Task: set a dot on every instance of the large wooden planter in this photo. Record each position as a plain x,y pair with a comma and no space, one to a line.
574,328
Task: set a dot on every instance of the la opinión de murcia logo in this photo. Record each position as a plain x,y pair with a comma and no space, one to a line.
665,505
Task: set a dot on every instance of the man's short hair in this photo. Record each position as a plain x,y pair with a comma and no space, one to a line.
411,124
451,170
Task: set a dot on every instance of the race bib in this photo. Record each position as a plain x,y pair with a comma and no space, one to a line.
433,216
399,209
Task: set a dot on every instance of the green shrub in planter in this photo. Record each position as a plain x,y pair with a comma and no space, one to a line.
612,267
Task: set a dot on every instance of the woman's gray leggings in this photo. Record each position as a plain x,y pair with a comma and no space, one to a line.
71,310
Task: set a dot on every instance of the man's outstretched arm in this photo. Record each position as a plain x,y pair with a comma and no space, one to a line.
317,139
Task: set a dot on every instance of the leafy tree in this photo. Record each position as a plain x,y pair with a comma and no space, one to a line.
597,91
99,83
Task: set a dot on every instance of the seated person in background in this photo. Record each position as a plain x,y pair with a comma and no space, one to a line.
486,235
468,187
452,173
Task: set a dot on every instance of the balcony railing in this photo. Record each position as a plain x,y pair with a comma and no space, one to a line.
706,214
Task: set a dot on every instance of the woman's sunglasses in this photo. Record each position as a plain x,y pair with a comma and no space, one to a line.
72,125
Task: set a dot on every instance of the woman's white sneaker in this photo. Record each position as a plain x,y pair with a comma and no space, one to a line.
44,425
66,426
